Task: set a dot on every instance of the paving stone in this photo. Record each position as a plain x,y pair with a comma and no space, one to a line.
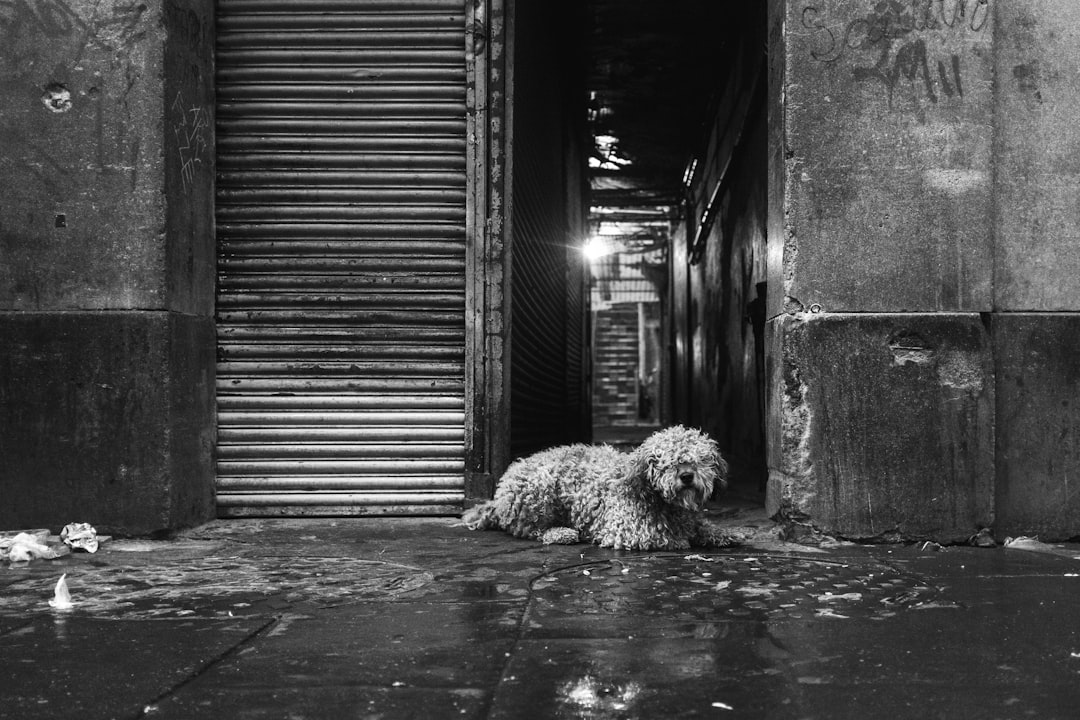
71,666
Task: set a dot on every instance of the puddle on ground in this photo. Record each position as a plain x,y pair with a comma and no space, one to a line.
214,586
716,587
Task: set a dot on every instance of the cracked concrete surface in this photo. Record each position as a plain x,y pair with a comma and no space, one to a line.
411,618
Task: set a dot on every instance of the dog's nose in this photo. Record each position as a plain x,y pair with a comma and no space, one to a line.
687,478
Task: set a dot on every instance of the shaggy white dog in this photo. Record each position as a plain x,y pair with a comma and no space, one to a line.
644,500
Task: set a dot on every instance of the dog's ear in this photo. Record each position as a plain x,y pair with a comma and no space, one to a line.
642,469
709,452
720,464
721,472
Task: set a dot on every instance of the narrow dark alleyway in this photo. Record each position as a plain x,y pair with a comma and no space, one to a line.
423,619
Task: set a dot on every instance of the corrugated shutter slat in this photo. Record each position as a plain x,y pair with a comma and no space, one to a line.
341,211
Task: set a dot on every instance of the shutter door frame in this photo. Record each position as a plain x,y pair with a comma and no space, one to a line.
490,69
281,453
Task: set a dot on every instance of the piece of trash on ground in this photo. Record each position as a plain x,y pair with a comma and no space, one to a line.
61,599
80,536
8,536
826,612
1023,542
27,546
844,597
756,591
937,605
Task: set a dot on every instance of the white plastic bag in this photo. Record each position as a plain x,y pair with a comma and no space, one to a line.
80,536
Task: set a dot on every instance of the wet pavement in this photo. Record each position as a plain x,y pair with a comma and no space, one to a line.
419,618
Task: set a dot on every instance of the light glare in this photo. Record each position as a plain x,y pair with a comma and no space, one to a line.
596,248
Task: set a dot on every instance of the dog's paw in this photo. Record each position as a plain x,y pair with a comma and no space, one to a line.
560,536
478,517
734,539
714,537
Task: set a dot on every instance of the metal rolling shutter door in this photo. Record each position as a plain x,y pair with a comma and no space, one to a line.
341,267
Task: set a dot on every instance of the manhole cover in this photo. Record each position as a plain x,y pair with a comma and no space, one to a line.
711,588
215,586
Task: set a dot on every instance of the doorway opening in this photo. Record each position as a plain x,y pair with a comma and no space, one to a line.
627,253
676,243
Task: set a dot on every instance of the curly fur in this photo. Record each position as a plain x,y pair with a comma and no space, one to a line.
644,500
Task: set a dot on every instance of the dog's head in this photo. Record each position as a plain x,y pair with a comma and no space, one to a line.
682,465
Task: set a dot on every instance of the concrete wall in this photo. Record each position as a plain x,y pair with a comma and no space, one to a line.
719,269
922,266
106,264
1037,266
725,336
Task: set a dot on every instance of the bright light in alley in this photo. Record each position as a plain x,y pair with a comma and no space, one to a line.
596,247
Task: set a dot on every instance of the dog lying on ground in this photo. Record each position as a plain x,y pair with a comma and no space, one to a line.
648,499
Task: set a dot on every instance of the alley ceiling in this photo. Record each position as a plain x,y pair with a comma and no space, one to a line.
653,70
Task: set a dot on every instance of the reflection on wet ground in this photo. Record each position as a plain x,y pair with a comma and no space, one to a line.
703,588
231,586
419,618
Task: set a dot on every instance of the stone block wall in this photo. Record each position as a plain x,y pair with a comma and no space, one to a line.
106,264
924,291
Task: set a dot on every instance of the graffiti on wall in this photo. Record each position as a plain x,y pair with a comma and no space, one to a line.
889,44
190,123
